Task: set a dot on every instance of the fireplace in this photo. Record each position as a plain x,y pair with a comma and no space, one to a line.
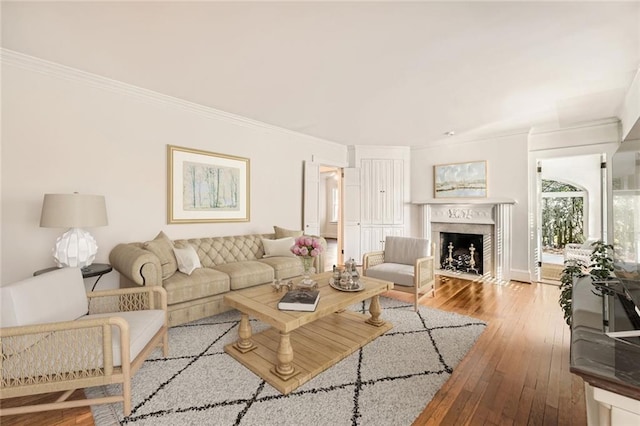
461,252
484,250
489,226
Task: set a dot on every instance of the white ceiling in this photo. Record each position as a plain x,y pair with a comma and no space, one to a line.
380,73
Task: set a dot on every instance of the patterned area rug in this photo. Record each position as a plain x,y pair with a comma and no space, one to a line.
388,381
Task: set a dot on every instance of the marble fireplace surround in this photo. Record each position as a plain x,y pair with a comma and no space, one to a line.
489,218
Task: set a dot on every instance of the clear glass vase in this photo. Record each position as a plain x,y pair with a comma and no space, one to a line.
309,270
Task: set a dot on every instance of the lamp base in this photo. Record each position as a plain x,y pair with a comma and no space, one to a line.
75,248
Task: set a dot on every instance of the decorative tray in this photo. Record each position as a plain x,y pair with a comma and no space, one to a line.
358,286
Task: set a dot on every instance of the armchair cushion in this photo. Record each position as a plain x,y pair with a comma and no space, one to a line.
51,297
587,244
406,250
143,325
397,273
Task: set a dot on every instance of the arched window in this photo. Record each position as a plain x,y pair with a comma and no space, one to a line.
563,207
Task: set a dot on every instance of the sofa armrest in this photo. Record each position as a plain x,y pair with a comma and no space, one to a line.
137,265
371,259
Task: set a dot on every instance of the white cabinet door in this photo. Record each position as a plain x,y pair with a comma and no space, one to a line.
382,192
351,215
382,177
311,198
392,231
373,237
367,191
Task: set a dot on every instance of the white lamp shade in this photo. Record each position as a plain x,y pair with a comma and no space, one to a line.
73,211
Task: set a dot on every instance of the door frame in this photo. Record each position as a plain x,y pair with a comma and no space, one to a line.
338,165
535,196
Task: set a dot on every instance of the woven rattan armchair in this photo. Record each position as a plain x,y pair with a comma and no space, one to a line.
56,337
407,262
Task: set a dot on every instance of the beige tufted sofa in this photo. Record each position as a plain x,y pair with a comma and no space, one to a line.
228,264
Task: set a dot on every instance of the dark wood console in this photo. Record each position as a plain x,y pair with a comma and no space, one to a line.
606,363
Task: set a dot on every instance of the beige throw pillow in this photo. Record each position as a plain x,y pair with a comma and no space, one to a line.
187,259
162,247
282,233
279,247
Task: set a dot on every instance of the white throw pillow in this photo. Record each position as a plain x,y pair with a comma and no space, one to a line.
188,259
280,247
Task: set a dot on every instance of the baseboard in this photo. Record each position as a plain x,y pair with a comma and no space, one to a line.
521,275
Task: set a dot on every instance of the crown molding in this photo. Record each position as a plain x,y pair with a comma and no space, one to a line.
56,70
602,122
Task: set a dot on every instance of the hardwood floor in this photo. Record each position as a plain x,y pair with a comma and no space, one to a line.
517,373
79,416
331,255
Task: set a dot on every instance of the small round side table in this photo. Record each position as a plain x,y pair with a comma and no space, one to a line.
93,270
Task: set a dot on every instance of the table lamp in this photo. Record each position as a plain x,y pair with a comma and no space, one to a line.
76,247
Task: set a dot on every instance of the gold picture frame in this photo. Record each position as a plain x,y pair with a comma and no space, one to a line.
460,180
205,186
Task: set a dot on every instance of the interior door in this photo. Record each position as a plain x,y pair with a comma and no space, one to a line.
351,215
311,208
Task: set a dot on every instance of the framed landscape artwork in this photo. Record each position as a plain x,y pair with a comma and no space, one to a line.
460,180
206,186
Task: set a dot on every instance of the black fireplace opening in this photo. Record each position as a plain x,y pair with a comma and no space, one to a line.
461,252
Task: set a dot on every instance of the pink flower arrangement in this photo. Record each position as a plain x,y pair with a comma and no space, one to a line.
306,247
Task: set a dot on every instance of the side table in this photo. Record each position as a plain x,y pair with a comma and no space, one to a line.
93,270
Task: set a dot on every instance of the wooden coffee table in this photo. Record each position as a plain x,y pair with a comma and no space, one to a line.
318,339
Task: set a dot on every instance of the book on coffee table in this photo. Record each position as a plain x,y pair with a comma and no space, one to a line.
299,300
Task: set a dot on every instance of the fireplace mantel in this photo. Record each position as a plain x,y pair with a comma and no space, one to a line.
463,201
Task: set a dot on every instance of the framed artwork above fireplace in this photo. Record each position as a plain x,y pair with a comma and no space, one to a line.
460,180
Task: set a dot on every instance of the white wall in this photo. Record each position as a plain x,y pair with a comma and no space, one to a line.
506,179
630,111
66,131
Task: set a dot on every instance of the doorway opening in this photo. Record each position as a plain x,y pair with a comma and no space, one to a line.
570,203
330,213
562,223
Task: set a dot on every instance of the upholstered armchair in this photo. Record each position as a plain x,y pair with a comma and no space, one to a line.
581,252
56,337
407,262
